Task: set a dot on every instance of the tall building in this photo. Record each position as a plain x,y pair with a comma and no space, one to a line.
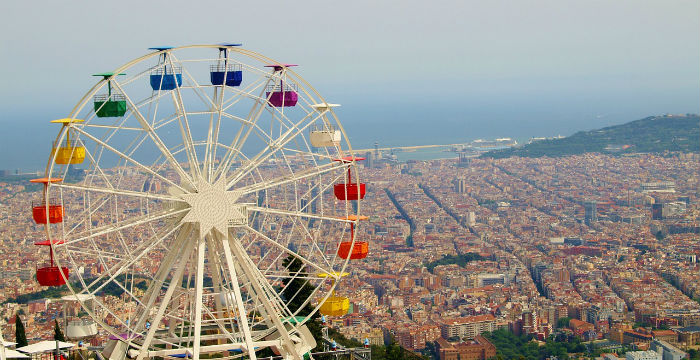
464,160
471,218
256,216
460,187
529,321
314,199
469,327
657,211
590,212
370,159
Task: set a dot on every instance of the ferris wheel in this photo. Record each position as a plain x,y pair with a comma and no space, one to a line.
185,192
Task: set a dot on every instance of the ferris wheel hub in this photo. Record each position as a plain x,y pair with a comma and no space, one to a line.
214,208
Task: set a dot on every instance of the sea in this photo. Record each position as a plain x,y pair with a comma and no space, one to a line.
26,136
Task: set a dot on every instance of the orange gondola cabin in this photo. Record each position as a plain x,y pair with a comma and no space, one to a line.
356,251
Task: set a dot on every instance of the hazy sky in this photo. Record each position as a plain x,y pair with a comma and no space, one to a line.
405,71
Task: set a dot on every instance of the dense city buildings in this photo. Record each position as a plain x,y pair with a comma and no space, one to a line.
601,247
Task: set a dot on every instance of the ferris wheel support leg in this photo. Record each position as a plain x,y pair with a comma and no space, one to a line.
214,266
242,316
174,284
255,280
199,289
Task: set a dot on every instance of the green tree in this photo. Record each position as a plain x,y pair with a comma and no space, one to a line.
296,291
693,354
20,335
563,322
57,333
393,351
431,349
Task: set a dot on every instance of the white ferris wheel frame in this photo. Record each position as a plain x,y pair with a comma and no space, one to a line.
225,248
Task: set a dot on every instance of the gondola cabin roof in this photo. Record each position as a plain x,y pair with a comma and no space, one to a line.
108,74
46,180
279,67
324,106
49,242
350,159
67,121
333,274
355,217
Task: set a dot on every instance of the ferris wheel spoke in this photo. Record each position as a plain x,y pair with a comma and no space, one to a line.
129,159
295,214
88,211
249,123
217,270
121,225
213,133
113,127
174,284
97,169
203,96
80,250
240,138
257,281
118,192
176,252
198,291
282,180
125,263
154,137
246,92
185,125
286,250
238,298
270,150
186,135
296,222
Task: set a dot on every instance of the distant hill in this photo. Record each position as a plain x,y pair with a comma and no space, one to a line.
655,134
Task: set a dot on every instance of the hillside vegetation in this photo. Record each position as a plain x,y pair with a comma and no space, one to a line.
655,134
